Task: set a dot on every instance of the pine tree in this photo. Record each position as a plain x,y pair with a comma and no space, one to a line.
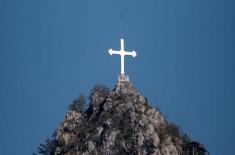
45,149
78,104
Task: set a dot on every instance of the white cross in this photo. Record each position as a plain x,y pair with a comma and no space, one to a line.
122,53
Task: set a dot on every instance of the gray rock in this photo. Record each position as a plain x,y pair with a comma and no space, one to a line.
91,146
120,123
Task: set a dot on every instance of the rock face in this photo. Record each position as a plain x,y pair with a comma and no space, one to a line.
118,122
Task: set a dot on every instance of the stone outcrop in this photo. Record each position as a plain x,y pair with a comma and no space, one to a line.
118,122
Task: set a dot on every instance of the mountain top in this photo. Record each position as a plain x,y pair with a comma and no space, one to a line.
120,121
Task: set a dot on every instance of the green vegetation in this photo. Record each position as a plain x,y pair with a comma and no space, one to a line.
172,130
101,90
78,104
48,148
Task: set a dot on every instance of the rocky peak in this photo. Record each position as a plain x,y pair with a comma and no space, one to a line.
118,122
124,86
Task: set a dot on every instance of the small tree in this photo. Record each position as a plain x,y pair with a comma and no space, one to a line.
173,130
47,148
101,89
186,139
78,104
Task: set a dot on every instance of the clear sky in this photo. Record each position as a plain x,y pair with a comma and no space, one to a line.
52,50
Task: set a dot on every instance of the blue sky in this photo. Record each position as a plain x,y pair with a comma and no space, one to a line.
50,51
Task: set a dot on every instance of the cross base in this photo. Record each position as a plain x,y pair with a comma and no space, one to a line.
123,77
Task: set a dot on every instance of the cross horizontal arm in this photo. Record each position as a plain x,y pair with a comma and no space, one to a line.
111,52
133,53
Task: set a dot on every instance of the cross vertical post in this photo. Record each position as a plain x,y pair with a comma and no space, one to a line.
122,57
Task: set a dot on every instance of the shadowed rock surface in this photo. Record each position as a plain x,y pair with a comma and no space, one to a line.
119,122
